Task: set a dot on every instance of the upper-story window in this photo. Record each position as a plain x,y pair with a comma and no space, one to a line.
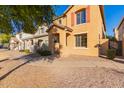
60,21
20,35
81,17
39,31
43,30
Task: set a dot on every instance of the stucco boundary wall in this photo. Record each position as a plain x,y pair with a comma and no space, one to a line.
123,46
104,45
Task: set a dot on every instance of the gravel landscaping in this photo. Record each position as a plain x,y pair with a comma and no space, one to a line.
55,72
31,76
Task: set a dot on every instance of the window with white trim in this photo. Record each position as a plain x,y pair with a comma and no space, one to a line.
81,17
81,40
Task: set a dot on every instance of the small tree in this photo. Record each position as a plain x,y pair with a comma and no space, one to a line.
111,38
4,38
111,53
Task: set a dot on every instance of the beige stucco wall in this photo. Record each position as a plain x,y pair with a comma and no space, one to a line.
43,44
93,29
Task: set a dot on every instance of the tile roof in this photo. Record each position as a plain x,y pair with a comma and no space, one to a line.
60,26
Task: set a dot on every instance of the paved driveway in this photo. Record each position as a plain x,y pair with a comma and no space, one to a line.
72,71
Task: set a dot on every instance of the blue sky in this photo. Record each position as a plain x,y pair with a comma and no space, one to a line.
113,15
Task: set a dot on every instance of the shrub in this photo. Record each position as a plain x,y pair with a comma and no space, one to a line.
27,51
111,53
21,50
44,52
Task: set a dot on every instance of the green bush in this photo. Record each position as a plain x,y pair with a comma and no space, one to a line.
111,53
27,51
21,50
44,53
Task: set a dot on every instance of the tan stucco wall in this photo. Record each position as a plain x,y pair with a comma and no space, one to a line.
116,34
93,29
120,34
103,46
123,46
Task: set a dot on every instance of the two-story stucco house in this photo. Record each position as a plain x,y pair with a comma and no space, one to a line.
80,30
119,35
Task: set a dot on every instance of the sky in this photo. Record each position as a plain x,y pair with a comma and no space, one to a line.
113,15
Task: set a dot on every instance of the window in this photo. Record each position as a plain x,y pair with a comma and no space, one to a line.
39,42
81,17
20,36
81,40
39,32
31,42
60,22
43,30
56,39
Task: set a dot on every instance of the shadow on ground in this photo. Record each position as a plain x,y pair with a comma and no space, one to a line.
4,59
29,58
37,57
118,59
12,70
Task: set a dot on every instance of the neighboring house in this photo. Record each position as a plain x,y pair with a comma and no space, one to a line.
32,42
20,36
13,43
39,40
116,34
119,35
80,30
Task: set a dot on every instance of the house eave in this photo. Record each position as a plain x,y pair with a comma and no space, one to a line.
61,27
120,23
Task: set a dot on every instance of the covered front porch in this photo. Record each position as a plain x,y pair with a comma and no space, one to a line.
58,39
